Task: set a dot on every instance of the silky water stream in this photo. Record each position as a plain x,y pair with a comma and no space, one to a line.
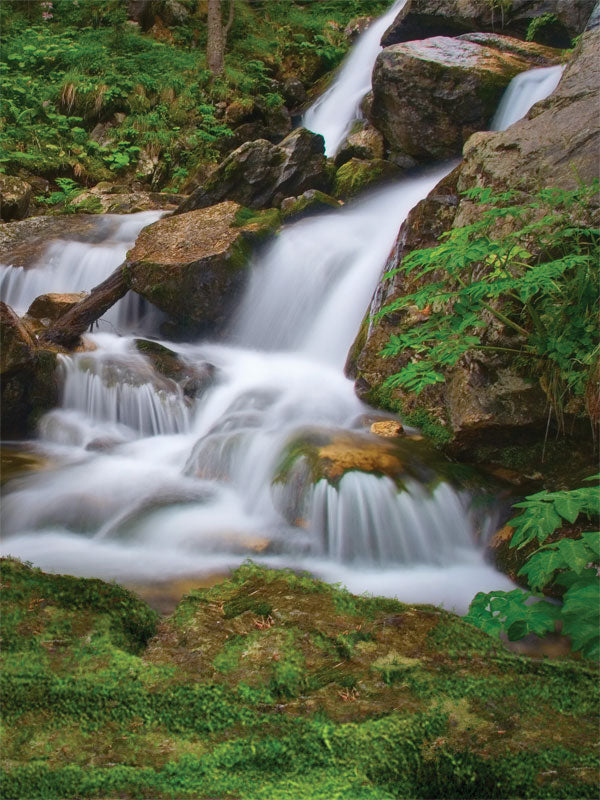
143,483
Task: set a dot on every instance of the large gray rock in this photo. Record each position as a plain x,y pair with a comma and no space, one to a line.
486,398
260,174
28,384
420,19
193,266
429,96
15,196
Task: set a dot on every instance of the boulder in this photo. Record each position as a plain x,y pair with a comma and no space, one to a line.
430,96
358,174
485,400
294,92
193,266
356,27
420,19
260,174
308,203
23,242
27,376
15,196
47,308
106,198
193,379
364,141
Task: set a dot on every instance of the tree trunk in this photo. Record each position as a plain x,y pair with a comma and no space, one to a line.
69,327
217,35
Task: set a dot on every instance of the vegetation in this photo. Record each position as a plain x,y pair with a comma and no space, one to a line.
89,96
573,563
272,684
531,293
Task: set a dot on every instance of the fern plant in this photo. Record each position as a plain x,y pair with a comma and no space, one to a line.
538,282
573,563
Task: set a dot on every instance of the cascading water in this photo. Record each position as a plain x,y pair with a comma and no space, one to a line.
144,483
74,266
525,89
334,112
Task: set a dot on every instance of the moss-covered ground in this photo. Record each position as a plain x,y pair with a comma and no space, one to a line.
274,685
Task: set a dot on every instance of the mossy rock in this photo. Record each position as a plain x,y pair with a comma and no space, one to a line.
358,174
307,204
275,685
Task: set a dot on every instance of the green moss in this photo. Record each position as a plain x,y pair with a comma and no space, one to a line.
329,695
355,175
382,397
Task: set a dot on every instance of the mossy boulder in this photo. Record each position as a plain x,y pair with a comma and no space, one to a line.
488,401
357,174
107,198
194,379
308,203
275,685
364,142
193,266
27,376
15,196
260,174
429,96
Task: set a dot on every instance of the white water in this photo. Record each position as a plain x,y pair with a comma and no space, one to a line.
74,266
523,92
144,484
336,109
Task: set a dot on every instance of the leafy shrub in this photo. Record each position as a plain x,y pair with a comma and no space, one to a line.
538,282
573,563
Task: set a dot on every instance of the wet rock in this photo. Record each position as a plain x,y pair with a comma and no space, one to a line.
421,19
294,92
106,198
364,142
430,96
356,27
358,174
485,400
27,376
260,174
23,242
389,429
194,379
536,55
308,203
49,307
15,195
193,266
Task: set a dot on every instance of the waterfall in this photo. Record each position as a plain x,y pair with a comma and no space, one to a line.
75,266
336,109
525,89
143,484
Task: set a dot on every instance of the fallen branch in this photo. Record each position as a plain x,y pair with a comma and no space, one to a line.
69,327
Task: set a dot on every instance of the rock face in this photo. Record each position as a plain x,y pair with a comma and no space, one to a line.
260,174
485,398
429,96
420,19
15,195
192,266
364,141
27,380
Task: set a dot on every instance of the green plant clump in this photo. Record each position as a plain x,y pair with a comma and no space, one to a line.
573,563
537,285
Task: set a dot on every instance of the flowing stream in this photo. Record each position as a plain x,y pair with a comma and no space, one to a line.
144,482
333,113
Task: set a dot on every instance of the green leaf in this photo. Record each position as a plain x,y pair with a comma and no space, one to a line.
567,506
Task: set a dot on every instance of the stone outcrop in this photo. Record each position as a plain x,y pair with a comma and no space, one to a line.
364,141
419,19
27,380
429,96
486,399
15,196
193,266
260,174
107,198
